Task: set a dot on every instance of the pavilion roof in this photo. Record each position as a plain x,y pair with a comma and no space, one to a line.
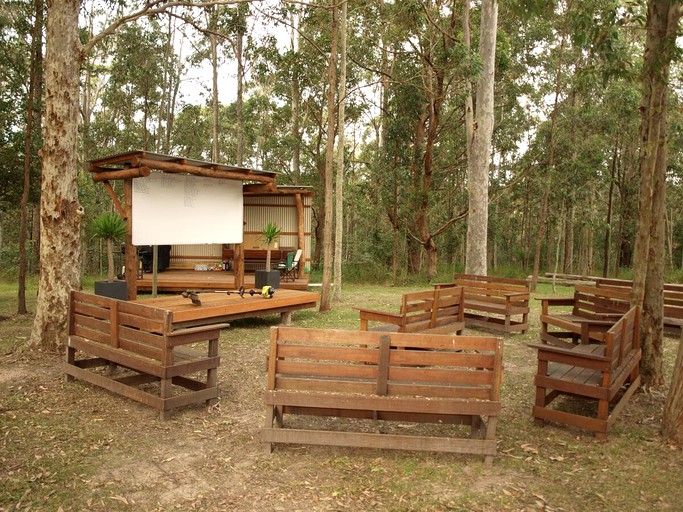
139,163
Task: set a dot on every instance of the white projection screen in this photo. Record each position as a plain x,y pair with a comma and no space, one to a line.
177,209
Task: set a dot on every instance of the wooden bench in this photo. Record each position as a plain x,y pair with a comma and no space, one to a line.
140,339
255,259
673,301
593,371
438,311
587,315
497,303
388,377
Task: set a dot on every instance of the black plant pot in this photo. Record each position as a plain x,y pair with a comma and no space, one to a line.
267,278
112,289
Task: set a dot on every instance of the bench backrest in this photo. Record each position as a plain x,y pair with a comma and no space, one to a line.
590,301
416,308
432,308
673,295
622,341
119,324
627,283
492,288
449,306
385,364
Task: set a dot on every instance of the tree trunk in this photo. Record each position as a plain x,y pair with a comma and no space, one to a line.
329,167
60,212
339,196
32,113
672,419
568,265
469,106
214,87
608,220
551,154
662,23
239,102
478,166
296,101
111,274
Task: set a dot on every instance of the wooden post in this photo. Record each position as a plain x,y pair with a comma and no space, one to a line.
131,260
155,269
300,228
238,265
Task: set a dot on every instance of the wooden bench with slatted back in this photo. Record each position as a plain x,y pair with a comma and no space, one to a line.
607,373
387,378
673,301
438,311
587,315
137,346
495,303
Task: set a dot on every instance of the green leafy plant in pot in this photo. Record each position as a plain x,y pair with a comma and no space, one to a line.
111,228
269,235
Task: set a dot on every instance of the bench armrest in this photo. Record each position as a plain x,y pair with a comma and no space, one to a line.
591,321
380,316
198,334
575,356
557,301
517,295
438,286
198,329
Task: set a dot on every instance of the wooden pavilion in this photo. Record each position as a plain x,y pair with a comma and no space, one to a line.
203,266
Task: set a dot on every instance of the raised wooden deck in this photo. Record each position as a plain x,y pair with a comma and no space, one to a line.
219,308
172,280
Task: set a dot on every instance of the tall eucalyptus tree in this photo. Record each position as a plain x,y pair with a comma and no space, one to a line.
663,18
480,151
32,131
60,210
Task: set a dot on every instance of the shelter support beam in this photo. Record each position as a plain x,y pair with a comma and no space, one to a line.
117,204
202,171
100,174
300,225
131,259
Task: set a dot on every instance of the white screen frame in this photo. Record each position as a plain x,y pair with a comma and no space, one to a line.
179,209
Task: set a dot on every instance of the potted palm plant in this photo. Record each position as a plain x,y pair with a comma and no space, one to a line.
268,277
111,228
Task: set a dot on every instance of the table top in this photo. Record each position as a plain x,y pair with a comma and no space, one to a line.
217,307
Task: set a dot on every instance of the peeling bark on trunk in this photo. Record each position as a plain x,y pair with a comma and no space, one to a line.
60,211
239,102
672,422
296,95
648,268
329,169
339,185
478,166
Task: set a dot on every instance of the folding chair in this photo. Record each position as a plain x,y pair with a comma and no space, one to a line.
291,269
